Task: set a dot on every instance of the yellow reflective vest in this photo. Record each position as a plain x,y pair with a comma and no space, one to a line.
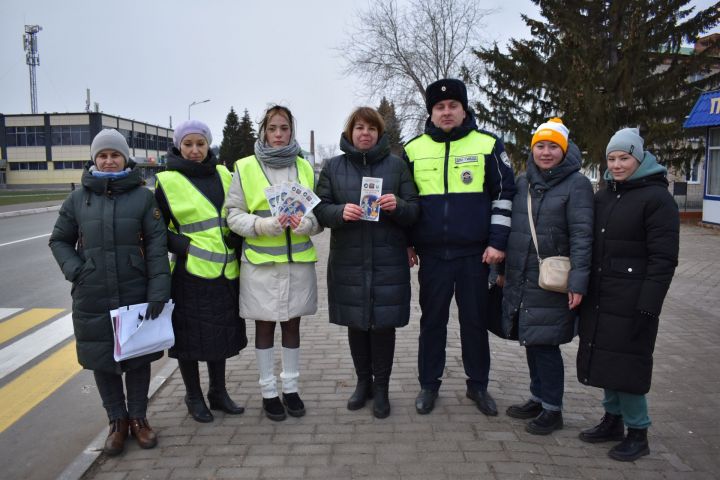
208,255
283,248
449,167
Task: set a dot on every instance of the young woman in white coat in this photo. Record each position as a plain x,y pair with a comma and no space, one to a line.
277,273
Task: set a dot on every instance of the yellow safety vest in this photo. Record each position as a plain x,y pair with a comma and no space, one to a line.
283,248
450,167
208,255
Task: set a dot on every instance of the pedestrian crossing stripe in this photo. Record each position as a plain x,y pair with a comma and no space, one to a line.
33,386
23,322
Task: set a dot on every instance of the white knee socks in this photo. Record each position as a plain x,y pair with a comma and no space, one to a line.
290,373
266,367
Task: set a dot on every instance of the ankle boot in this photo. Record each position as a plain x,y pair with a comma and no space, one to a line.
115,442
609,429
293,404
198,410
363,391
547,422
274,409
359,341
217,395
634,446
381,402
194,396
140,429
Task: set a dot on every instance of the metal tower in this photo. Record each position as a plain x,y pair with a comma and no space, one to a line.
32,58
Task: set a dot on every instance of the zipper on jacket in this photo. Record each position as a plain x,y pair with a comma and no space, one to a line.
141,241
289,244
446,206
80,245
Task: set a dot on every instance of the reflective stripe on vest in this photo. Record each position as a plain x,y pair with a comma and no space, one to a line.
450,167
208,256
283,248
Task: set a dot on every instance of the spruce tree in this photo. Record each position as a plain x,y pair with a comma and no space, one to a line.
601,66
393,129
247,136
231,144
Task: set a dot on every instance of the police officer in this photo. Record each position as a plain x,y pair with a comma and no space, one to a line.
466,186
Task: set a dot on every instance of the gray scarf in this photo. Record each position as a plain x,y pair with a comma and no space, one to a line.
277,157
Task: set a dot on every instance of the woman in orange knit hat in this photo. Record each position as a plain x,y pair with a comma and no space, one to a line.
562,208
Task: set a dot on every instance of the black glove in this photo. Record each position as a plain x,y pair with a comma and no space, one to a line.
154,310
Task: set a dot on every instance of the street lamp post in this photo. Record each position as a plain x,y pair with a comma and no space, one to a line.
197,102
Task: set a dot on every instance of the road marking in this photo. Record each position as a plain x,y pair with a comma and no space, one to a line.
25,239
32,387
6,312
25,321
24,350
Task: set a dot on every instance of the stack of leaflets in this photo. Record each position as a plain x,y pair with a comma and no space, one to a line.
290,198
369,195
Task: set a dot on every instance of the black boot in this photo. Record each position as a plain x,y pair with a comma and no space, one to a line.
633,447
609,429
381,402
194,396
529,409
547,422
218,395
359,341
383,352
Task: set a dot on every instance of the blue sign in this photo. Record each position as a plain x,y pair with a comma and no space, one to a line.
706,112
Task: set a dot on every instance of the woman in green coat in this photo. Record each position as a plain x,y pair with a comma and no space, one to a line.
109,241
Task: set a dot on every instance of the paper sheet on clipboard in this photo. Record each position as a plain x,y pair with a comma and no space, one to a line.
136,335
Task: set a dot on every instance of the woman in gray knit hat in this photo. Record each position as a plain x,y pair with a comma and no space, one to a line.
635,251
109,241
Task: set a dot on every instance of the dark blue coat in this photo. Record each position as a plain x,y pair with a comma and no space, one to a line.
368,275
562,202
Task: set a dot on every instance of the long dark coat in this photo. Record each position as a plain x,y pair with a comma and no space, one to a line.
109,240
562,202
205,320
368,275
634,258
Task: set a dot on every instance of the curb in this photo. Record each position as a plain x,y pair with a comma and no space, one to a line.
77,468
30,211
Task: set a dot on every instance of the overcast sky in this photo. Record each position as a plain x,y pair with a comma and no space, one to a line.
148,60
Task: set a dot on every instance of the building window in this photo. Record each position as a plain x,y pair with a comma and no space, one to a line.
66,135
713,163
25,136
692,173
19,166
127,134
68,165
139,140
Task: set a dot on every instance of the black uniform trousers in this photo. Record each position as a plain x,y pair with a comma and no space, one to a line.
466,278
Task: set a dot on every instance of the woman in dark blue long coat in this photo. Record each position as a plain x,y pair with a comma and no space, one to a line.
562,210
368,271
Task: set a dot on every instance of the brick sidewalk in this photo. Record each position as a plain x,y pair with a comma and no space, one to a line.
456,440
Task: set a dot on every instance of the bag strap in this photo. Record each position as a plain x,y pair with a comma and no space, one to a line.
532,225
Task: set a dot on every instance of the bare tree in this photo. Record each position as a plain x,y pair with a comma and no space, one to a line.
398,51
325,152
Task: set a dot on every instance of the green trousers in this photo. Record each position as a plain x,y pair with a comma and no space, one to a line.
632,407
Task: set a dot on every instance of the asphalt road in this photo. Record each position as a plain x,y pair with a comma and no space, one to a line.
50,436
